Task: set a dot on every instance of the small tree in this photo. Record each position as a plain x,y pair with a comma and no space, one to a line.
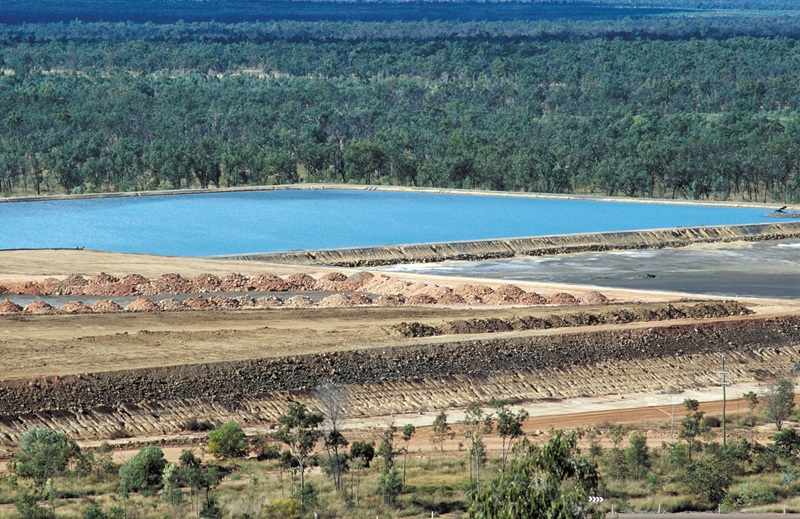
228,441
143,471
708,478
44,454
406,433
637,456
476,425
552,482
692,424
390,484
300,432
441,430
362,454
779,402
201,480
752,403
333,399
509,427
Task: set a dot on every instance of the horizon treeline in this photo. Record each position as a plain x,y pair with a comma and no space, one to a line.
682,106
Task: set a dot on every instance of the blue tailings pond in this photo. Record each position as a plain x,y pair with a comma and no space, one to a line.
300,219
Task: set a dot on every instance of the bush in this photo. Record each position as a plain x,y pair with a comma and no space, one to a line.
43,454
288,509
195,425
712,421
749,495
94,512
228,441
143,472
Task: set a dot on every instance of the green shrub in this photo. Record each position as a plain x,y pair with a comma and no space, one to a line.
143,472
228,441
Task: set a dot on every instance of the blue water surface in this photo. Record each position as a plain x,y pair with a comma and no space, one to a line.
283,220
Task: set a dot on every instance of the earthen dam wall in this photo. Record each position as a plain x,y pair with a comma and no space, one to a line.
530,246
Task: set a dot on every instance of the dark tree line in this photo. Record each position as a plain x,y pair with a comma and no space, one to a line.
110,107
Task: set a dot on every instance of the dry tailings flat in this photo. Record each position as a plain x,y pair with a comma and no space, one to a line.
435,375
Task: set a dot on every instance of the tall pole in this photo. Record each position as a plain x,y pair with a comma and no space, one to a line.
723,383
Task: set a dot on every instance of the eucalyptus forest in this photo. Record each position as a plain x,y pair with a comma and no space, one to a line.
701,105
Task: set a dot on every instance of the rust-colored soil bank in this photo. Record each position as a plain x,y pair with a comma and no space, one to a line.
223,387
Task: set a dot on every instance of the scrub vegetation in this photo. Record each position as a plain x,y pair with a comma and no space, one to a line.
689,106
482,466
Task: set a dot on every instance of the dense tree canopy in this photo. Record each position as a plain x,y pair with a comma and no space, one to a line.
677,107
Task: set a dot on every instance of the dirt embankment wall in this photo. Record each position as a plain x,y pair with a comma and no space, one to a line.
532,246
230,381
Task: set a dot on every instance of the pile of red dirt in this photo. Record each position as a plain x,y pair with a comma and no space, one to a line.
594,298
171,305
335,301
269,283
268,301
359,299
332,282
38,307
223,303
197,303
420,299
101,285
301,282
140,304
104,306
74,307
298,302
235,282
562,298
7,307
167,284
205,283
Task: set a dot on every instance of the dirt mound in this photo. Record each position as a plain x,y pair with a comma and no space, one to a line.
335,301
72,285
490,325
619,316
443,295
101,285
104,305
269,283
384,285
7,307
38,307
562,298
420,299
140,304
301,282
235,282
359,299
359,279
245,302
414,330
31,288
129,285
206,283
333,282
389,300
197,303
532,298
594,297
467,290
223,303
168,284
299,302
504,295
3,290
268,301
75,307
171,305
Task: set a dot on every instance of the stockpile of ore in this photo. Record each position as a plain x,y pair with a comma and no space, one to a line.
338,291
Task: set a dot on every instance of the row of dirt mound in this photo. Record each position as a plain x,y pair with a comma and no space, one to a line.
362,288
705,310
